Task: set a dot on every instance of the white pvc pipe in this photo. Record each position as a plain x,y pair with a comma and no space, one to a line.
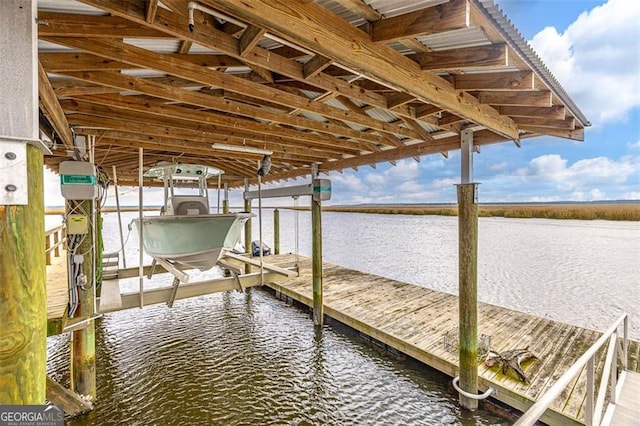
115,185
472,395
140,203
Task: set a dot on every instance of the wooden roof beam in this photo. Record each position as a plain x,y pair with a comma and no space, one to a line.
398,99
185,46
197,131
527,99
308,27
360,8
81,61
563,124
556,111
124,82
195,139
52,109
249,39
152,7
494,55
450,16
448,118
173,149
56,24
452,143
576,135
510,80
315,65
277,60
426,110
113,49
186,115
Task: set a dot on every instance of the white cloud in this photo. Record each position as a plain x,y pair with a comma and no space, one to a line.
635,195
581,174
409,187
596,59
498,167
634,145
445,182
404,170
347,182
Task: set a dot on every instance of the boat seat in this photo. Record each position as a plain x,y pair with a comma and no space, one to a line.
189,207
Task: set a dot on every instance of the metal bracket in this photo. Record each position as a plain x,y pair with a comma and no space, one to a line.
14,185
14,182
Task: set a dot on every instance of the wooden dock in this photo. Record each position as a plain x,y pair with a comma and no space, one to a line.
415,320
57,293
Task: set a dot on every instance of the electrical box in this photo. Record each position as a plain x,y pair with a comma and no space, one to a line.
78,180
321,189
77,224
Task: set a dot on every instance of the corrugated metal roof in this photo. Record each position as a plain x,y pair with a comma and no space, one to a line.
339,10
68,6
197,48
382,115
456,39
46,46
390,8
158,45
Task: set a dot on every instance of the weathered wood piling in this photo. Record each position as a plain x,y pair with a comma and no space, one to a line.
23,307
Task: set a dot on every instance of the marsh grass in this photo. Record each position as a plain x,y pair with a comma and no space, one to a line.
627,212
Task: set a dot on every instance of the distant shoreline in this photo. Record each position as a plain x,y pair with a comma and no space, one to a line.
621,211
590,211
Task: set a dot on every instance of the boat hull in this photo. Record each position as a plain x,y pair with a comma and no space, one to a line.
196,241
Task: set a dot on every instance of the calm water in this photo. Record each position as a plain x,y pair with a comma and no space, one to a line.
250,359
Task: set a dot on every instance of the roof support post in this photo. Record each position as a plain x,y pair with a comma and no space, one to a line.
466,151
316,252
468,275
276,231
83,341
247,227
225,201
22,260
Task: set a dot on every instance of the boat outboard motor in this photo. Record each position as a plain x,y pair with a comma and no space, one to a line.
265,165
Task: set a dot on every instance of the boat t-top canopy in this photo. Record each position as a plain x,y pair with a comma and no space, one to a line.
188,172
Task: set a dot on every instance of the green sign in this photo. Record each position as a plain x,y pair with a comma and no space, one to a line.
77,180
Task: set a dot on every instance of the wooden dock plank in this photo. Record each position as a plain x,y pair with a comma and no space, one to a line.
414,320
57,287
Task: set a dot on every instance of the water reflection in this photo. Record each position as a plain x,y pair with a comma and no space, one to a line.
247,358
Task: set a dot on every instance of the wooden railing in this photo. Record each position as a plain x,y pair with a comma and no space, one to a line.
593,412
53,239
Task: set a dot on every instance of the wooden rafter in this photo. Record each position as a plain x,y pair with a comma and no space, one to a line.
152,7
188,118
370,58
52,109
556,111
494,55
249,39
164,91
535,99
315,65
511,80
144,58
453,15
360,8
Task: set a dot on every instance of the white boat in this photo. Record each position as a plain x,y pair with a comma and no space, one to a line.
185,232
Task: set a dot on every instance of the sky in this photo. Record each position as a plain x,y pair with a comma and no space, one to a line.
593,50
